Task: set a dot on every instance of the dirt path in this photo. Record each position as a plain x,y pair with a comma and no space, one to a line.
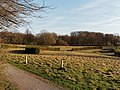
27,81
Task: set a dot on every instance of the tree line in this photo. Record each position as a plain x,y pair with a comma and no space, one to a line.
77,38
13,14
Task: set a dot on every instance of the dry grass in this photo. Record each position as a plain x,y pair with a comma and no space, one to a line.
2,77
4,83
82,71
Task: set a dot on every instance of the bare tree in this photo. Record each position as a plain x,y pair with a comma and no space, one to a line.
14,12
46,38
29,38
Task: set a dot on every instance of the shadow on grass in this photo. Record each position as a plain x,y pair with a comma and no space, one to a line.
18,51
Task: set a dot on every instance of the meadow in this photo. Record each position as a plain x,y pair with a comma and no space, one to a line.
82,69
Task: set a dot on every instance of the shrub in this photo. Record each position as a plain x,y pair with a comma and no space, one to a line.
32,50
86,48
6,46
52,49
107,48
106,51
56,49
117,52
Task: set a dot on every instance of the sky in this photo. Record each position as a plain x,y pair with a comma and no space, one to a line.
78,15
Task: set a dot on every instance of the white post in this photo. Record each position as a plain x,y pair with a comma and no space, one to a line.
62,63
26,59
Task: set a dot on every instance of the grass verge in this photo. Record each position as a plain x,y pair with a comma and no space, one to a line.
4,83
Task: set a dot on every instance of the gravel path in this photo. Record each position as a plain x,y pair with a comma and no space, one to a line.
27,81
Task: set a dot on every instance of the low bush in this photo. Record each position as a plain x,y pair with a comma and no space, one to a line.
32,50
6,46
52,49
107,50
86,48
117,52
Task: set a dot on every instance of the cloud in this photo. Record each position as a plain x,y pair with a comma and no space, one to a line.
98,13
89,5
112,21
110,25
103,22
50,22
60,30
55,20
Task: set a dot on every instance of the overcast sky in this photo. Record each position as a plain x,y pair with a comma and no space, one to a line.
79,15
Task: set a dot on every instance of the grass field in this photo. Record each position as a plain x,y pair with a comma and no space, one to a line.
83,70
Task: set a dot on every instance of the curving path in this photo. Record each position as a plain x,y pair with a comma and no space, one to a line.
27,81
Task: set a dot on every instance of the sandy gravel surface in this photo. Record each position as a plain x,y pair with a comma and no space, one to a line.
27,81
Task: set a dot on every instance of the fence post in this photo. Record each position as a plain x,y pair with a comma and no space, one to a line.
62,63
26,59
